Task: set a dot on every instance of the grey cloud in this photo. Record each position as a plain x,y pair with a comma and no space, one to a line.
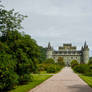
57,21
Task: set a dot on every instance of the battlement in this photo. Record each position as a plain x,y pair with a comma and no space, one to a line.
67,47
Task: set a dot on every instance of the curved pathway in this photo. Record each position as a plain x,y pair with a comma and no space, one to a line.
64,81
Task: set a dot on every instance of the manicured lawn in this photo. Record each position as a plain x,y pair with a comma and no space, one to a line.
87,79
37,80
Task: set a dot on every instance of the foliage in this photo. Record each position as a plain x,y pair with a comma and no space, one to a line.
8,78
50,66
49,61
53,68
42,67
25,78
61,61
10,20
82,68
37,80
74,63
90,61
90,66
42,57
19,53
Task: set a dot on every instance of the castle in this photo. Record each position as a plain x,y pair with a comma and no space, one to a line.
69,53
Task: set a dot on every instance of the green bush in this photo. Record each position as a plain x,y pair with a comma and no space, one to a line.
41,67
51,69
89,73
74,63
61,61
49,61
90,66
25,78
8,78
58,68
82,68
90,61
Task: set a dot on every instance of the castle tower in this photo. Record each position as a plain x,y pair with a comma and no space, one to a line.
49,51
85,52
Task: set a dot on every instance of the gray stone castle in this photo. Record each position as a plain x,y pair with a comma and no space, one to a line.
69,53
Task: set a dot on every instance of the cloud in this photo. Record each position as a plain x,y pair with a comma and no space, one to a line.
57,21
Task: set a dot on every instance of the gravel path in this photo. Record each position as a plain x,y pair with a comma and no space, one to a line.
64,81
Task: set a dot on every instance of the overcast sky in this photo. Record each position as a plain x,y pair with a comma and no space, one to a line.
57,21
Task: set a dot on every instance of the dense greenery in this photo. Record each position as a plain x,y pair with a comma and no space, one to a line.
50,66
90,61
42,57
37,79
61,61
85,69
19,53
74,63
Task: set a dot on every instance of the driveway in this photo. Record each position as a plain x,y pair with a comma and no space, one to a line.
64,81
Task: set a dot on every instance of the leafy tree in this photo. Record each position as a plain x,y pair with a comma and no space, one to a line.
19,53
90,61
8,78
49,61
42,57
61,61
74,63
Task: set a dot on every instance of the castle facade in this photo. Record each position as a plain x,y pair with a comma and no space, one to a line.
69,53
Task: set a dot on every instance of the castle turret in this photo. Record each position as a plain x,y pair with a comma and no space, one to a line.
85,52
49,51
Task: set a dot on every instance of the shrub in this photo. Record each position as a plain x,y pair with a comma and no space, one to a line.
61,61
53,68
8,78
49,61
82,68
58,68
41,67
25,78
89,73
90,66
90,61
74,63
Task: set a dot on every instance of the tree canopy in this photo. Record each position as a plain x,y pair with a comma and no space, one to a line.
19,53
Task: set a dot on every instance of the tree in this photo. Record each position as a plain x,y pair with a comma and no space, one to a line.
74,63
9,21
90,61
42,57
61,61
49,61
19,53
8,78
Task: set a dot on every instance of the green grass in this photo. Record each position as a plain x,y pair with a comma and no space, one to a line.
43,72
37,80
87,79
